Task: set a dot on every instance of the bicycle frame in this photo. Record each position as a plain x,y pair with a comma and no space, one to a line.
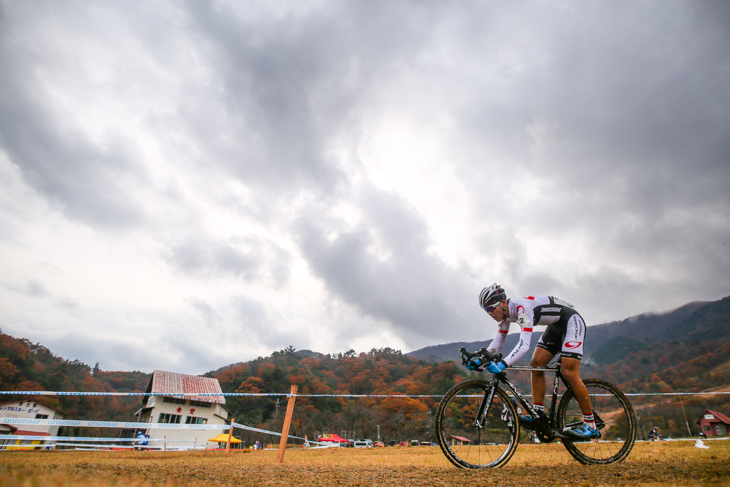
546,430
556,383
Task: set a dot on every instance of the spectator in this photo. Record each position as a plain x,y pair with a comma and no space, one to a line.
141,441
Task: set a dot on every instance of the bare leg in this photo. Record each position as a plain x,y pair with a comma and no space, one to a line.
570,370
540,358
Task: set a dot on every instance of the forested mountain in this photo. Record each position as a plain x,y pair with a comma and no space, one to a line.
686,350
698,321
25,366
697,326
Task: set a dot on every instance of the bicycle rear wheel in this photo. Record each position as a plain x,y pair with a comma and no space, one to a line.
468,445
614,418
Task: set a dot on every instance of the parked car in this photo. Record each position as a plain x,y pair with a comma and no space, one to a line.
363,444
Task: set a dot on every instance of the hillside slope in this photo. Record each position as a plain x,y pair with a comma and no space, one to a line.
27,366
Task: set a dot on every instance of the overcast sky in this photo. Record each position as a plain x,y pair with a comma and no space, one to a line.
189,184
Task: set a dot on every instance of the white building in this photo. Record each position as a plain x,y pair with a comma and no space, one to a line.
188,409
27,410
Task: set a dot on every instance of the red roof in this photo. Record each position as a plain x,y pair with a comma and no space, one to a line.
171,382
31,433
461,438
719,416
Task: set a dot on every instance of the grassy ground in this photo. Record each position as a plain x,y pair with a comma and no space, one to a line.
658,463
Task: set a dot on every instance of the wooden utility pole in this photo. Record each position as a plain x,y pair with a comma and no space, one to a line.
287,423
689,432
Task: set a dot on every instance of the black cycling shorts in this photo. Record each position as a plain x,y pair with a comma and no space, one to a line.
565,336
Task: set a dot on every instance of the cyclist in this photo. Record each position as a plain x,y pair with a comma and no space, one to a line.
564,334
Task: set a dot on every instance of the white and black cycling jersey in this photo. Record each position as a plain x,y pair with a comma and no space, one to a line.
565,332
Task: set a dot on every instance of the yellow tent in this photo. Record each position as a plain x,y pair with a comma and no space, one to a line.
223,438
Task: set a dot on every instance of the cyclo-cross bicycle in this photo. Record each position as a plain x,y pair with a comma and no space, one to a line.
478,425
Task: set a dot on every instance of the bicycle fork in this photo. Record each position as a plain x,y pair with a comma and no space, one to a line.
481,419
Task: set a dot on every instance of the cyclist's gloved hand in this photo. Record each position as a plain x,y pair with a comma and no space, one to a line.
496,368
473,364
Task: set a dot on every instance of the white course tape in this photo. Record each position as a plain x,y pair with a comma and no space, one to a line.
84,438
281,394
63,438
204,394
127,425
110,424
175,394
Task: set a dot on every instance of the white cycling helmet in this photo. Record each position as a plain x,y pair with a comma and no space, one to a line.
492,294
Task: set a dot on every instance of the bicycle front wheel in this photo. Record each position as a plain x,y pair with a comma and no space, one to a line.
614,418
471,431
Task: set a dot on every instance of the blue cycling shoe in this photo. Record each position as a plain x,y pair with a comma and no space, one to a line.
585,432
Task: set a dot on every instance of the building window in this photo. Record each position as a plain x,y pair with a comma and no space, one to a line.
200,404
169,418
41,416
707,427
173,400
196,420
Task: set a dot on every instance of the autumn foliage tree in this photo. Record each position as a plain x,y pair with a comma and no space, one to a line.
25,366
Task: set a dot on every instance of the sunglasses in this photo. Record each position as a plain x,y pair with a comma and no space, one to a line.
491,307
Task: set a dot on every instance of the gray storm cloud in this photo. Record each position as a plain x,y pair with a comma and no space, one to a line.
384,269
326,174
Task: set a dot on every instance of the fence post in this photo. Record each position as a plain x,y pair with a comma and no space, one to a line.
230,433
287,423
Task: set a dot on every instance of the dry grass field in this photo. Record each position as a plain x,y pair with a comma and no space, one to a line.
659,463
